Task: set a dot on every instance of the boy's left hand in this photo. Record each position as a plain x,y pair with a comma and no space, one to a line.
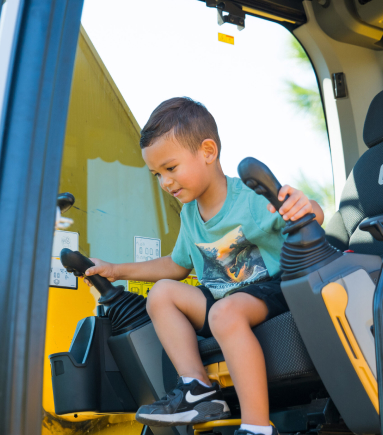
296,206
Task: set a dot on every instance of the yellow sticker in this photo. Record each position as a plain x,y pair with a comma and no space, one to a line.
226,38
143,287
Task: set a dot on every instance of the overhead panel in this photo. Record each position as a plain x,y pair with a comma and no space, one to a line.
289,13
356,22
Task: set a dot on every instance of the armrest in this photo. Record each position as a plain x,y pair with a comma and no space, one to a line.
374,226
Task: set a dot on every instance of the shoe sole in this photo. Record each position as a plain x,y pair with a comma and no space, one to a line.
203,412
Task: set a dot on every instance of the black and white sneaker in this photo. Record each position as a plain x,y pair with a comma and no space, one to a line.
247,432
187,404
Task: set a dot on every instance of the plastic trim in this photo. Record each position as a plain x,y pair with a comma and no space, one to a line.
336,299
31,142
78,327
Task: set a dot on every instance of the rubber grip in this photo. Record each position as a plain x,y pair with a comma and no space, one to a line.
259,178
74,260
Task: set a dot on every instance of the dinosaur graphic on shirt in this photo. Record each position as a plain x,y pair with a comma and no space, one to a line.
243,259
231,262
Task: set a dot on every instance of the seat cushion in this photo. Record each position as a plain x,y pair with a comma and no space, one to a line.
285,354
336,233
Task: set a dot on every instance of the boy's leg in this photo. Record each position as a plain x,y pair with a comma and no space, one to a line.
231,320
177,310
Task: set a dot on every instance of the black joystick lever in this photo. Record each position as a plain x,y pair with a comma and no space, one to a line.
258,177
75,262
125,310
306,248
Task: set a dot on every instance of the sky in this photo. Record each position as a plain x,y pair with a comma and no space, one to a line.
155,50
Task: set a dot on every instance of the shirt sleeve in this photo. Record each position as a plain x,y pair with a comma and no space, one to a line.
181,252
266,221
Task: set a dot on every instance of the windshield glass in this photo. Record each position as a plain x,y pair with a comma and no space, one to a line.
262,90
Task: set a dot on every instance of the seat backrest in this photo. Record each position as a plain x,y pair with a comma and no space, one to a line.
362,196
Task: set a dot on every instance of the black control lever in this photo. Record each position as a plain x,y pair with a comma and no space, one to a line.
77,263
306,248
259,178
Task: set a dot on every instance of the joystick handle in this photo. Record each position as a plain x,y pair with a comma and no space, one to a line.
76,262
306,248
258,177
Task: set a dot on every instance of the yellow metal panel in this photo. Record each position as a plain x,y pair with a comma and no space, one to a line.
65,309
103,425
143,287
191,280
336,299
220,373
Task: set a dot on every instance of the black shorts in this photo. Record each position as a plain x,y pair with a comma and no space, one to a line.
268,291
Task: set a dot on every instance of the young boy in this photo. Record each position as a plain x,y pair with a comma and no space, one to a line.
233,240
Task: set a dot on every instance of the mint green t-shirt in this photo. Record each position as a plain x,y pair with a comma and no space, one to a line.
240,245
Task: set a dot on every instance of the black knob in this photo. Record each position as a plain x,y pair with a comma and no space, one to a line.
75,262
65,201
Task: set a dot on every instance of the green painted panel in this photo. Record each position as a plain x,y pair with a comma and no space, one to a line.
116,196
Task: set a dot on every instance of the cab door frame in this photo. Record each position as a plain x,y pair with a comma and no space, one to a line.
34,105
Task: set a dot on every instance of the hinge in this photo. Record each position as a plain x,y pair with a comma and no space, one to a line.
235,14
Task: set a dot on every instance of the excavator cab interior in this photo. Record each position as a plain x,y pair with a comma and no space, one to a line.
320,356
90,357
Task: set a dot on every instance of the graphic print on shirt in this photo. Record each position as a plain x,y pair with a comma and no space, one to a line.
231,262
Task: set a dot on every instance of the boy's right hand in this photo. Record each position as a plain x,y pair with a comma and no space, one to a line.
101,268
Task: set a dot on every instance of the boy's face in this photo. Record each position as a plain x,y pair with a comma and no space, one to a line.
183,174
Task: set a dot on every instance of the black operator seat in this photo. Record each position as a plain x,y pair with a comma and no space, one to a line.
362,198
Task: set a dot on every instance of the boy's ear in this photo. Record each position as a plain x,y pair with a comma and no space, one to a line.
210,150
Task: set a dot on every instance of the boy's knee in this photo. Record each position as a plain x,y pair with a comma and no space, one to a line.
222,317
159,294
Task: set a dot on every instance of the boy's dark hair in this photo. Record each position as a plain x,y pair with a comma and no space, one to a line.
189,120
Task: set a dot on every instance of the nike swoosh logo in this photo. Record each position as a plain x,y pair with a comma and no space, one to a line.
191,398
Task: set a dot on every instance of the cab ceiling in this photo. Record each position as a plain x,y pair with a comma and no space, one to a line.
290,10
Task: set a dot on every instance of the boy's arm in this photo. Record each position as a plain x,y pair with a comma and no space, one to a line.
317,209
152,270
